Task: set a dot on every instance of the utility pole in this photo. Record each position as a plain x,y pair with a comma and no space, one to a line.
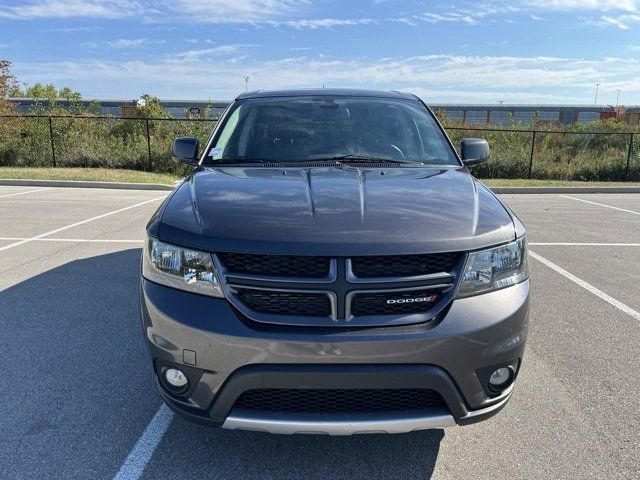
595,102
618,101
246,84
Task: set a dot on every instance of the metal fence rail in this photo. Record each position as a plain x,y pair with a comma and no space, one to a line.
145,144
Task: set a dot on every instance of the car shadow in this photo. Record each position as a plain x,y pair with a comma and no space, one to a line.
81,380
204,452
82,384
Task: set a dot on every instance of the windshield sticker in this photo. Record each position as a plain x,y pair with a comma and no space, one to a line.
215,151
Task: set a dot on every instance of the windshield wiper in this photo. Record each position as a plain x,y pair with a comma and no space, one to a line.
351,158
233,160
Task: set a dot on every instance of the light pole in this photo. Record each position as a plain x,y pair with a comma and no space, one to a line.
246,84
595,102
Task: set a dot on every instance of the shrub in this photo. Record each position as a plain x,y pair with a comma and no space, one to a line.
91,141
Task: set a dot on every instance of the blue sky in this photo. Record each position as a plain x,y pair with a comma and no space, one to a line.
516,51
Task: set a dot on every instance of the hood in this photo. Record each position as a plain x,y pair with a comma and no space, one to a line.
334,211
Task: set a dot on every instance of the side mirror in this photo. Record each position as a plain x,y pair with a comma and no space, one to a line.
474,151
185,150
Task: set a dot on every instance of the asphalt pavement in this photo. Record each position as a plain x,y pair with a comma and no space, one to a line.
79,401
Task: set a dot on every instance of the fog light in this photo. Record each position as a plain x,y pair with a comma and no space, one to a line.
500,377
175,378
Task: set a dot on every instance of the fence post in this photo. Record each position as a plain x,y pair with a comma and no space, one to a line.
53,148
533,144
629,153
149,144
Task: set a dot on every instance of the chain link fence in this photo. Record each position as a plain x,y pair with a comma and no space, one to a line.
145,144
556,155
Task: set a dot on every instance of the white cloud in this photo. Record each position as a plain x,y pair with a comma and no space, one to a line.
444,77
71,8
132,42
201,11
73,29
622,22
220,50
618,12
615,22
584,5
326,22
236,11
448,17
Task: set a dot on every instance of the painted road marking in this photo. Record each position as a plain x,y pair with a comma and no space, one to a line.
600,204
78,240
142,452
587,286
24,193
580,244
57,230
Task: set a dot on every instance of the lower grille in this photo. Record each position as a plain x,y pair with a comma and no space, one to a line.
364,304
339,401
305,304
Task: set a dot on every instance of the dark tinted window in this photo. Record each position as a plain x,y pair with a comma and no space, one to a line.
293,129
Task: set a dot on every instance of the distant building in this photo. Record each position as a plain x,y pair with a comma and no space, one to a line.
128,108
495,115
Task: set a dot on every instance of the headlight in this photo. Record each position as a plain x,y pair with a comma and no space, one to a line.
495,268
180,268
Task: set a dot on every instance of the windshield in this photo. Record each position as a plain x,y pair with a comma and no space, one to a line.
298,129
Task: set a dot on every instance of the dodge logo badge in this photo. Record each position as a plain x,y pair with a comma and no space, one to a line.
428,299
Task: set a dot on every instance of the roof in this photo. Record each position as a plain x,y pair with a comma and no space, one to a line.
334,92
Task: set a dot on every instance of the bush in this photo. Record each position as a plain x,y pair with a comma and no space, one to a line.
91,141
594,152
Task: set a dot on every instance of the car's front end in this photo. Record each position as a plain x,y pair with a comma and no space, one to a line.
336,299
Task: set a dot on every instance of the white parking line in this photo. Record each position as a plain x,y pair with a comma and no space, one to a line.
600,204
78,240
142,452
57,230
599,293
581,244
23,193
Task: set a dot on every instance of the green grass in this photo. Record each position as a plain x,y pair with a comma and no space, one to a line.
136,176
87,174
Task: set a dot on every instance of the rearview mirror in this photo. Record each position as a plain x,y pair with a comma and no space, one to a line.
185,150
474,151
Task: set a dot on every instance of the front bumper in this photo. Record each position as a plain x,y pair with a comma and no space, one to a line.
233,354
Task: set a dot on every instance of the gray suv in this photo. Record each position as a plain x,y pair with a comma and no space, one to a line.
331,266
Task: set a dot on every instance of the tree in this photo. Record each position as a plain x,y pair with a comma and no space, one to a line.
68,94
150,107
8,85
44,92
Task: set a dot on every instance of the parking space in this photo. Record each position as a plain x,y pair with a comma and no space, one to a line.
80,400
